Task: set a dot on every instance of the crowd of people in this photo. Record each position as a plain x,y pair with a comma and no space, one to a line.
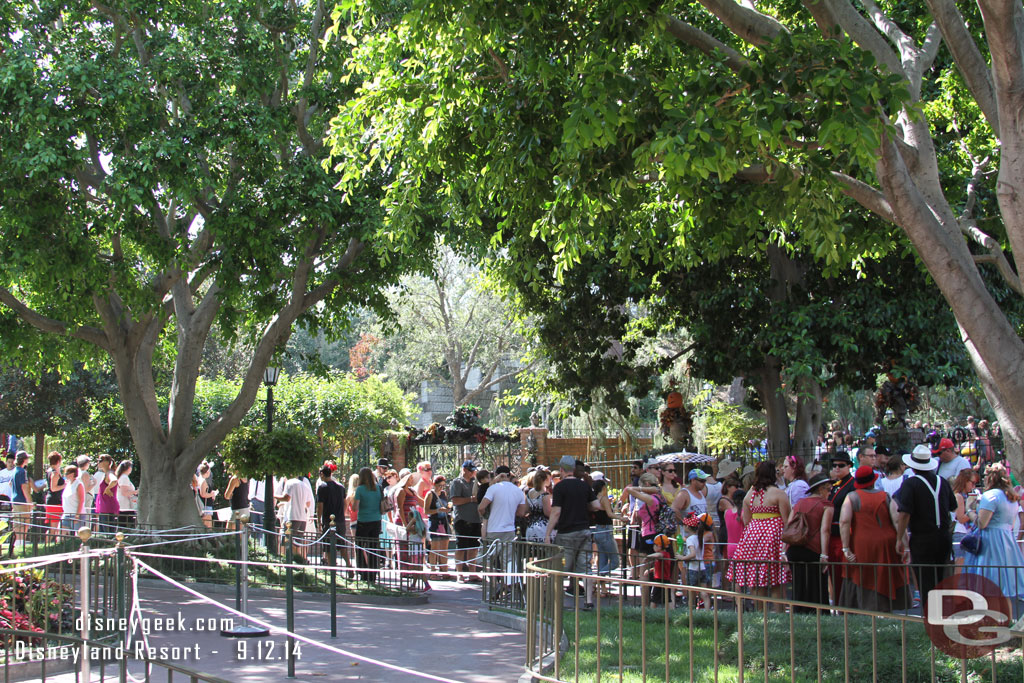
73,495
863,528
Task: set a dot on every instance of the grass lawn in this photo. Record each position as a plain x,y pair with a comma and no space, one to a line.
1010,666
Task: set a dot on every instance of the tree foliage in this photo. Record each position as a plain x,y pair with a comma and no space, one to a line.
678,133
728,427
449,325
340,411
285,452
162,181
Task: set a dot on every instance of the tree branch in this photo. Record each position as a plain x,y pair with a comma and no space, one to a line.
704,42
968,57
864,34
888,27
747,23
868,197
310,145
995,255
87,333
930,48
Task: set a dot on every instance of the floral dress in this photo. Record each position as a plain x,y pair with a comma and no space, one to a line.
758,560
536,521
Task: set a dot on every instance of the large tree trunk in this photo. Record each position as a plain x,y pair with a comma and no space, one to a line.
770,391
39,462
165,493
808,417
1011,431
995,348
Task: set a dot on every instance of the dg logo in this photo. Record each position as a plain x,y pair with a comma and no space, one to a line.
967,616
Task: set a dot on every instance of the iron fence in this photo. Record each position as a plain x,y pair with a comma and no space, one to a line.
509,558
732,637
447,459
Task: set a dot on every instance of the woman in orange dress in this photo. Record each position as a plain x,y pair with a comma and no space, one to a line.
875,577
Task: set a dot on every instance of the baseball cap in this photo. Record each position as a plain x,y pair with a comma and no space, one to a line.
944,444
567,462
503,469
597,475
468,465
697,474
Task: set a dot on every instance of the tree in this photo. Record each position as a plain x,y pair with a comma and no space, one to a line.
562,123
341,411
48,404
162,174
449,325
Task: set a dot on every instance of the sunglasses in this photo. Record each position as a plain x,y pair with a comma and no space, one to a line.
840,464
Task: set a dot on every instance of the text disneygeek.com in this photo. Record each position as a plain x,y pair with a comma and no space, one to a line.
153,625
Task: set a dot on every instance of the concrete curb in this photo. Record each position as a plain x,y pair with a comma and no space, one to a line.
516,622
33,670
351,598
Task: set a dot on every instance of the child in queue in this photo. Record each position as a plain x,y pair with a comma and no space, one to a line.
698,537
661,562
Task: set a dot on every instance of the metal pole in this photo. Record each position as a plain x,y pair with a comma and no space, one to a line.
83,602
240,542
242,604
243,555
268,491
122,607
333,558
290,600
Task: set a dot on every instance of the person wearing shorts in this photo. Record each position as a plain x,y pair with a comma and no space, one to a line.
572,502
463,495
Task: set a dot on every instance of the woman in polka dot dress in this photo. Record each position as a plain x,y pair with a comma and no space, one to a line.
758,562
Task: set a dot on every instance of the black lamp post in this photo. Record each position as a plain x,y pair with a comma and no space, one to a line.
270,376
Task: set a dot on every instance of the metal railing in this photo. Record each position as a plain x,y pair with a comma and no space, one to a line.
32,656
734,636
509,558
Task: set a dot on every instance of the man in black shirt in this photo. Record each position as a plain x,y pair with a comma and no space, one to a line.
571,502
330,500
925,502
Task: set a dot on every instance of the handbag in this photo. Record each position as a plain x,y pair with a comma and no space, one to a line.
971,543
386,505
796,530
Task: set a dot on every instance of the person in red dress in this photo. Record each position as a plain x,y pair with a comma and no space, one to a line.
875,578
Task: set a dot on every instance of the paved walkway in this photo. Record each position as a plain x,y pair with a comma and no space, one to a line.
443,638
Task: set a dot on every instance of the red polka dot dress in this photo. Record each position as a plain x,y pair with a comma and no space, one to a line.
758,561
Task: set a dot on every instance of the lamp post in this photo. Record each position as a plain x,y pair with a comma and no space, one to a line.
270,376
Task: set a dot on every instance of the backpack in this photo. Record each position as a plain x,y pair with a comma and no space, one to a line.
665,523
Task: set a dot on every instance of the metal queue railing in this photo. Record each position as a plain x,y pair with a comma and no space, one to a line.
736,635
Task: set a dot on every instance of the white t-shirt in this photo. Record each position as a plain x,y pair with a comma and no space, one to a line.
126,502
890,486
693,546
70,496
948,470
300,497
505,497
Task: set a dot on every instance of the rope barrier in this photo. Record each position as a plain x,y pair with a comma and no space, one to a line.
323,567
282,631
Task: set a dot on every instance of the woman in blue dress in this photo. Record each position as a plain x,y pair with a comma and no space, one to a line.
1000,559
